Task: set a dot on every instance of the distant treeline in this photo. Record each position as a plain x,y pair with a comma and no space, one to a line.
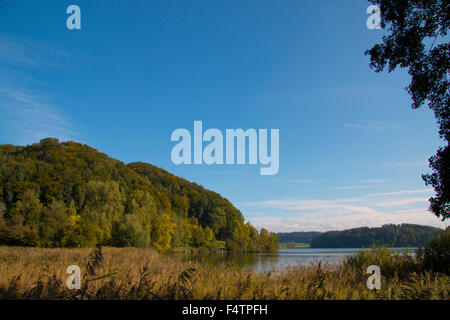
55,194
404,235
298,237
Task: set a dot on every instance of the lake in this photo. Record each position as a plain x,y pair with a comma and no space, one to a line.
269,261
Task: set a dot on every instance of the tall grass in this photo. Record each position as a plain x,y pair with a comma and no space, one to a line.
131,273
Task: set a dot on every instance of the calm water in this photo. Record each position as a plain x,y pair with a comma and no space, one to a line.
266,261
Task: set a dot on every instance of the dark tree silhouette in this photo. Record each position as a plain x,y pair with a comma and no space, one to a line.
416,40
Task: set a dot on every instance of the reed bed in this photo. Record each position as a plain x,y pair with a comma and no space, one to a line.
131,273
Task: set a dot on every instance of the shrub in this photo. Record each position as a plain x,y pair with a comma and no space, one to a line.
392,264
435,256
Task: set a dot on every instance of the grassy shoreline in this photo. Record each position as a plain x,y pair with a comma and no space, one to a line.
293,245
36,273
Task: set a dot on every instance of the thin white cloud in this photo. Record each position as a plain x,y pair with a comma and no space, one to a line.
403,206
373,126
28,52
373,181
301,181
28,117
368,127
401,202
27,113
13,51
402,164
401,192
349,187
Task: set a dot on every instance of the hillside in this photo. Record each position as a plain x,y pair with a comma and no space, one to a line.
65,194
404,235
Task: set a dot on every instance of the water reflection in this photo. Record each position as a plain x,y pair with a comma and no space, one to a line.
268,261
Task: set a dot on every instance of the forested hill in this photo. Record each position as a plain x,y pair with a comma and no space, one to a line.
65,194
404,235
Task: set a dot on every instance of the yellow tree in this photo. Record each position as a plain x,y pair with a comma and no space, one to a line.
162,231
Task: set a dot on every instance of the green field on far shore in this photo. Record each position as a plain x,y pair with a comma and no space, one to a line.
294,245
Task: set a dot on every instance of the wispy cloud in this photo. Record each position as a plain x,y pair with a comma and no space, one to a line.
373,181
28,117
401,164
401,202
15,52
28,114
28,52
373,126
301,181
349,187
403,206
401,192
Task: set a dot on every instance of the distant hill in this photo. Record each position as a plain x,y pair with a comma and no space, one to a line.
65,194
298,237
404,235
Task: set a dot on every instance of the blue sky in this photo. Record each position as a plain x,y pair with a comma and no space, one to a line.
351,148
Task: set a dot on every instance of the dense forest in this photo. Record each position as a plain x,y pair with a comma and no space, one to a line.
65,194
298,237
404,235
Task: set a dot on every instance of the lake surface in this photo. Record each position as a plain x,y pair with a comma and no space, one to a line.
269,261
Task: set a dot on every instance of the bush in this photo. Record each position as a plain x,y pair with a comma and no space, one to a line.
392,264
435,256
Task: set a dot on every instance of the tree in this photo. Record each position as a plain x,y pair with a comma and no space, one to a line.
143,206
2,220
292,245
30,208
103,208
269,241
15,233
55,224
131,233
2,211
416,40
162,231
